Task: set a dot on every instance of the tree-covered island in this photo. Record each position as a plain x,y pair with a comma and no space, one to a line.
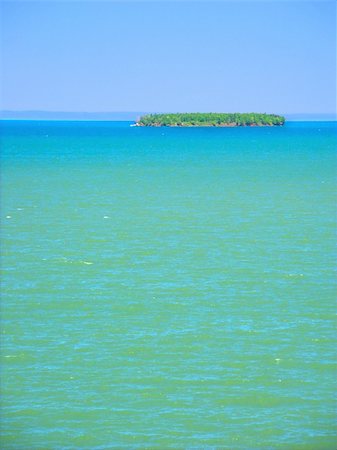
210,120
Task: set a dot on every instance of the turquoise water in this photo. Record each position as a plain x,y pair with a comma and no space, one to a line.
168,288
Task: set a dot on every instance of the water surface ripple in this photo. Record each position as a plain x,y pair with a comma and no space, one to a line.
168,288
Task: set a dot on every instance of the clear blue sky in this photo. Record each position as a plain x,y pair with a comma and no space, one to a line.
169,56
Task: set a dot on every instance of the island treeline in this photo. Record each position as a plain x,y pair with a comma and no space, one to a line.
210,120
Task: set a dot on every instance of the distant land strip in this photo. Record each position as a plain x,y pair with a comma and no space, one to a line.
210,120
131,116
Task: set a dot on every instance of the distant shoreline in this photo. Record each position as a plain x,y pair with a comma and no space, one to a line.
129,116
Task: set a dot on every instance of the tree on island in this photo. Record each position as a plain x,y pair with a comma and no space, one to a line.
210,120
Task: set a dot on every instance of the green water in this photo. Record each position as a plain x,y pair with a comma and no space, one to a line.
168,288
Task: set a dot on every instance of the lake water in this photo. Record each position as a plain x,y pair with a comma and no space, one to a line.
168,288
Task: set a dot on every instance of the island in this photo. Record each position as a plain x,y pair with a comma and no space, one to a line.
210,120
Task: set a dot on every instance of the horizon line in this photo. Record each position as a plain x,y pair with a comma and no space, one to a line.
133,115
2,111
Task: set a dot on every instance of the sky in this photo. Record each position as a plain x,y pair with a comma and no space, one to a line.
224,56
